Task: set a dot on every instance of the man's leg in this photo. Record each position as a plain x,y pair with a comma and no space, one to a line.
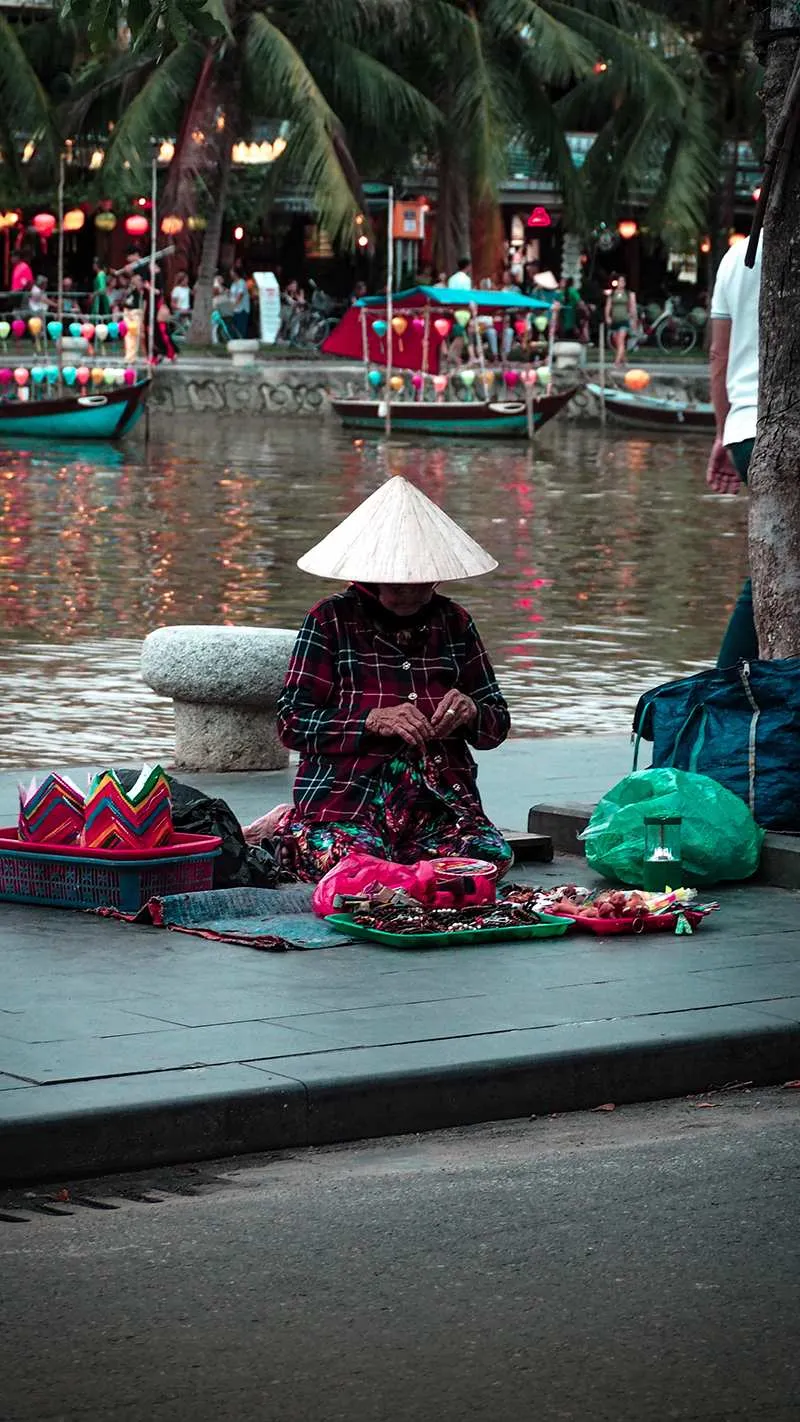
740,642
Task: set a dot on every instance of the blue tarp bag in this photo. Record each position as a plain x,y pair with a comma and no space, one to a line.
740,725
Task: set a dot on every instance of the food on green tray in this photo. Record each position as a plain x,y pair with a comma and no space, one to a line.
416,919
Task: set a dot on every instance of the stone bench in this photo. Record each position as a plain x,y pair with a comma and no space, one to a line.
225,683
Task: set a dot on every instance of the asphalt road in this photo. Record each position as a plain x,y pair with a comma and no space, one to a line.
637,1264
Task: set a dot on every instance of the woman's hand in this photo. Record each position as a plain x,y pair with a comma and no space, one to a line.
455,710
405,721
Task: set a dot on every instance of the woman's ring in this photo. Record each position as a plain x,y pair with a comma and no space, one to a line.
449,711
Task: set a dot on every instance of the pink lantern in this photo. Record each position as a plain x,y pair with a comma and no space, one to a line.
529,376
83,375
442,326
21,375
521,327
130,376
440,383
122,327
87,332
6,376
417,323
18,329
136,225
417,380
511,377
44,224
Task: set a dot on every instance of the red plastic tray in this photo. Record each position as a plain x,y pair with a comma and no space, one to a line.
643,923
180,844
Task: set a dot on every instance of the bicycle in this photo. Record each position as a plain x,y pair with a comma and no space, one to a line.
670,330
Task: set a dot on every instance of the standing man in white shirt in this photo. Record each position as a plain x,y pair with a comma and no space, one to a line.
734,392
462,278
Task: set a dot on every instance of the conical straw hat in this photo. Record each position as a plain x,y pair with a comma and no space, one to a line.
397,535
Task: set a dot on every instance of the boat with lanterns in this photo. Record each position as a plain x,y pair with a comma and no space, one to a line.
400,339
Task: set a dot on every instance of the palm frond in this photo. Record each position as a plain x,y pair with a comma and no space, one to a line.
318,155
154,112
558,52
25,111
364,91
689,173
635,41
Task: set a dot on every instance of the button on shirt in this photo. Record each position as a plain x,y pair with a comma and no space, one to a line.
343,666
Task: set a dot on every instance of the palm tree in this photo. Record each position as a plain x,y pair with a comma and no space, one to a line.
530,70
210,75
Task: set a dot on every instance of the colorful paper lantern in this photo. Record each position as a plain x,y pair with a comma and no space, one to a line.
417,323
105,221
462,317
541,322
113,331
69,374
511,377
44,224
97,375
137,225
627,228
171,225
529,376
87,331
8,219
83,375
129,819
488,377
468,378
35,325
55,330
18,329
439,383
543,375
122,328
109,375
539,217
637,379
130,376
375,378
399,325
418,380
197,224
6,376
5,330
74,220
51,374
380,328
119,376
521,326
101,331
38,374
52,812
442,326
75,329
396,381
21,375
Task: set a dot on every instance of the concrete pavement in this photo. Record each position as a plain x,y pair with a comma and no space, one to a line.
123,1046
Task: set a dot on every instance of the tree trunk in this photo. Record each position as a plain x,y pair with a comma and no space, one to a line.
775,468
200,329
452,213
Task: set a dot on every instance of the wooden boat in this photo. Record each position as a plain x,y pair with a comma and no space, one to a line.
652,412
473,418
101,414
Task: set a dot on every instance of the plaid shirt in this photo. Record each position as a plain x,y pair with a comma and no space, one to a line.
345,663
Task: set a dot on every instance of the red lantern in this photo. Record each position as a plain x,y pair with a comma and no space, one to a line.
539,217
44,224
136,225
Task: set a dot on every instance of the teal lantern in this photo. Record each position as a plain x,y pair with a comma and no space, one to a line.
69,374
38,374
380,328
375,379
113,331
75,329
55,330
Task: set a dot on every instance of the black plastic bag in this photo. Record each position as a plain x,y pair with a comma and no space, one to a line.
239,865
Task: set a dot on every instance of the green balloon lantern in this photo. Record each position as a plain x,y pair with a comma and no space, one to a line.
462,317
541,322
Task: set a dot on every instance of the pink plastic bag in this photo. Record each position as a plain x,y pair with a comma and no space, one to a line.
438,883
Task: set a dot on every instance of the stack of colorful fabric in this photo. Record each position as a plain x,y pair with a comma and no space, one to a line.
139,818
50,813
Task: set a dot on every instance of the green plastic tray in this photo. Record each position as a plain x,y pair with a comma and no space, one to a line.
550,927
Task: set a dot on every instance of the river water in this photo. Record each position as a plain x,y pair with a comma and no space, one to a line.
617,567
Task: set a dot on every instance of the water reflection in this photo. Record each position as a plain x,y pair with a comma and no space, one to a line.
617,568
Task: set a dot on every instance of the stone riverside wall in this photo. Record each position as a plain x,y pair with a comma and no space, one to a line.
305,388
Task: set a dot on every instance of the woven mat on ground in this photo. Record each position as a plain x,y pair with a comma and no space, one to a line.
271,919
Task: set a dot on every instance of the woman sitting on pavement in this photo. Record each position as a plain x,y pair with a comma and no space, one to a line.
388,686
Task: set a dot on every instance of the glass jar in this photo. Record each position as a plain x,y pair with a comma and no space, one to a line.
662,853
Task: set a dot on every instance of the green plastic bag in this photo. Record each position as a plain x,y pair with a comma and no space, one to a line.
719,837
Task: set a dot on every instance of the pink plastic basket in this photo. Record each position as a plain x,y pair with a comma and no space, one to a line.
66,876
